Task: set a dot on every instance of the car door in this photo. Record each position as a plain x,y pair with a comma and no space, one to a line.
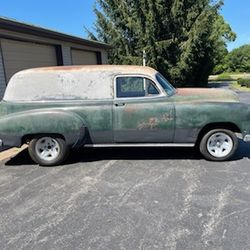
142,112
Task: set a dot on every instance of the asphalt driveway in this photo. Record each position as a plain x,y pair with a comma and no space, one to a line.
144,198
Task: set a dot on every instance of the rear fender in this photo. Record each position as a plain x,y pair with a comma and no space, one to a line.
43,121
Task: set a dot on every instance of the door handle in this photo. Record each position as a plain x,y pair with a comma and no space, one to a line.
119,104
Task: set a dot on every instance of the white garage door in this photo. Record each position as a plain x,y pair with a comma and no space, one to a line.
24,55
81,57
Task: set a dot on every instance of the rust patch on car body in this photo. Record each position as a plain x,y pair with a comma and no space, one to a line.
194,91
167,117
59,68
154,122
131,109
114,69
205,95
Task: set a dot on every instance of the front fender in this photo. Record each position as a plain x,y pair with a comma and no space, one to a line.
191,118
15,126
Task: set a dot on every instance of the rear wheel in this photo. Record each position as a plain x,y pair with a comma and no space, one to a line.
219,145
48,150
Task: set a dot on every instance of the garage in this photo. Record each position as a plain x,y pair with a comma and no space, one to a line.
24,46
81,57
19,55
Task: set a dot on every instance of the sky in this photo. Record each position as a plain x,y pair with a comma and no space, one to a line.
72,16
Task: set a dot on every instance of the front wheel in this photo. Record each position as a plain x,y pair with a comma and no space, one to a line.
218,145
48,151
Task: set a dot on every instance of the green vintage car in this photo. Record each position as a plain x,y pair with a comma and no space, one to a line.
58,108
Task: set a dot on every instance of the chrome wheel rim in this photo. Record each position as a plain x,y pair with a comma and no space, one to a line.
47,148
219,145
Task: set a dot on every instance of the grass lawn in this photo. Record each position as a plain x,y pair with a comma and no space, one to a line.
229,76
237,86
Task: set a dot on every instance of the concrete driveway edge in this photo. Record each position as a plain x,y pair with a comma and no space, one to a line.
9,153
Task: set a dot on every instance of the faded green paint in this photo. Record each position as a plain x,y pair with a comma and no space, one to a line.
164,119
191,118
20,119
205,95
176,118
148,120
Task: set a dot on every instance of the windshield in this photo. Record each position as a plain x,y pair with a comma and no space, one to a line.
170,90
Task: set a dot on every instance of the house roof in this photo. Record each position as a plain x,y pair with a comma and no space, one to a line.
21,27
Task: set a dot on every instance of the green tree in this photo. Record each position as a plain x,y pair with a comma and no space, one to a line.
223,34
238,60
183,39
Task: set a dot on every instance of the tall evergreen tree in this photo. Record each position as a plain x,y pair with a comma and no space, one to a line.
182,38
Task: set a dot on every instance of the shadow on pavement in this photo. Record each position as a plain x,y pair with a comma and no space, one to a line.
220,84
243,151
98,154
4,148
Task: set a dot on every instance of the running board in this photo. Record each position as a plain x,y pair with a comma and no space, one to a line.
139,145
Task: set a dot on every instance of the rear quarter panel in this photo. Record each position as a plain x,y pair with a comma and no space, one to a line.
67,119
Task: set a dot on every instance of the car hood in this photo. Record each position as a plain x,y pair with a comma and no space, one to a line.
206,95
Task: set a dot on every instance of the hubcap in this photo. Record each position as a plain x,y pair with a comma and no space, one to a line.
47,148
219,145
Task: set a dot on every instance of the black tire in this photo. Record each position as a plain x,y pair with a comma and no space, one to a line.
62,151
212,134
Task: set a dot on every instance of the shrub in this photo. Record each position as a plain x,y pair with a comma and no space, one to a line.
244,82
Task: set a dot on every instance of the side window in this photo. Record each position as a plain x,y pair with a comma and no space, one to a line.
130,87
135,87
150,88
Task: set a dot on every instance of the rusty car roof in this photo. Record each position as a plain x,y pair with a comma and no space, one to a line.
125,69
